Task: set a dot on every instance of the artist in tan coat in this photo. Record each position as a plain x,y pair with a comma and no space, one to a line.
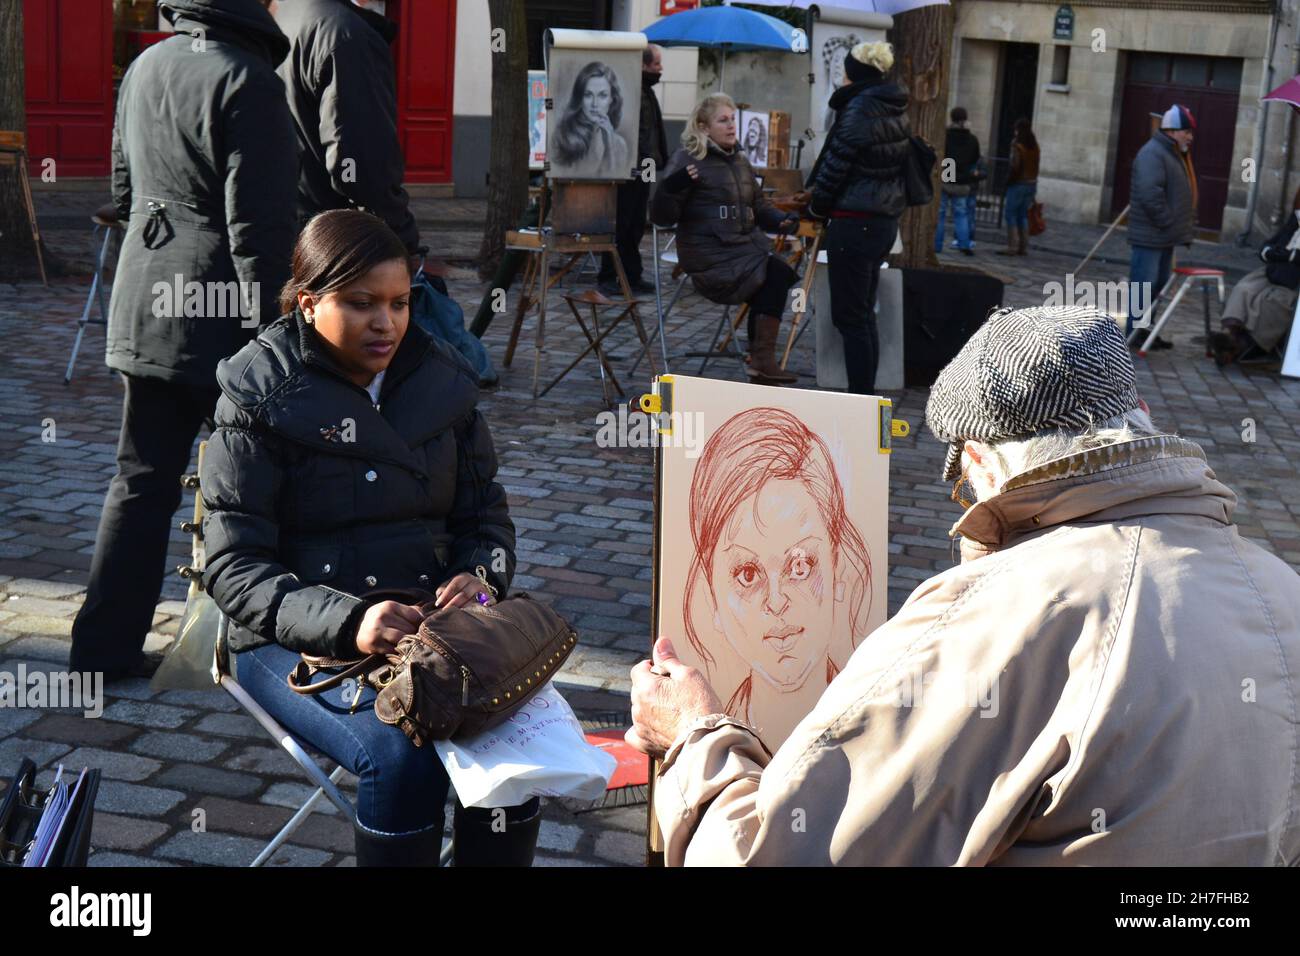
1111,676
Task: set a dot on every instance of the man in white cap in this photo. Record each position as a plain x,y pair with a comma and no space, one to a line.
1110,676
1162,210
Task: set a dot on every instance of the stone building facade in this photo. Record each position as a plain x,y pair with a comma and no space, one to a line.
1089,76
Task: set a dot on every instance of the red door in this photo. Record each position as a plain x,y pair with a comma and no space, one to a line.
426,68
1210,88
68,49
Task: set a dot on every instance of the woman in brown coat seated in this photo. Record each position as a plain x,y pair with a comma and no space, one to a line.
710,193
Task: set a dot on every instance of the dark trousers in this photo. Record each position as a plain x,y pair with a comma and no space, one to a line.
855,249
629,230
160,421
772,294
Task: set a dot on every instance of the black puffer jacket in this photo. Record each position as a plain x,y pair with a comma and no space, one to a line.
339,76
314,495
720,220
204,167
1281,266
861,166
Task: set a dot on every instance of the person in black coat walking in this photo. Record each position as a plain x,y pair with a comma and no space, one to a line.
339,78
857,184
203,172
349,456
634,194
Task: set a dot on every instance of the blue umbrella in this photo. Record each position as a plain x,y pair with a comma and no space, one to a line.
725,29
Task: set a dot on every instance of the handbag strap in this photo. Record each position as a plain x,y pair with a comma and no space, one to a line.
299,678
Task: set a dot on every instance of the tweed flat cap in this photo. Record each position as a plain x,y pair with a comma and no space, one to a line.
1027,370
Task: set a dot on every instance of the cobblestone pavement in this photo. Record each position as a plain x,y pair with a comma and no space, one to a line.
584,519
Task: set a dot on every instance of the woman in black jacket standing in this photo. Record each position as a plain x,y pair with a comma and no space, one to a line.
349,456
857,184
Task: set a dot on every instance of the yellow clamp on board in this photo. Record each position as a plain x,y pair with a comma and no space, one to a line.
891,427
659,403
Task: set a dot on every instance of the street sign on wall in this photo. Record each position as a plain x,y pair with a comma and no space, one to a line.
1063,26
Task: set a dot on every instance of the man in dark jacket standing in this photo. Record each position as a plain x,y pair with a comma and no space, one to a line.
634,195
961,152
203,172
857,185
340,79
1162,210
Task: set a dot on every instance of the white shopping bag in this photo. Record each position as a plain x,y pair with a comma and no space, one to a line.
540,751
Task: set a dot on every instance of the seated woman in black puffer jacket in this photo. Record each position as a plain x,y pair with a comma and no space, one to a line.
348,456
709,191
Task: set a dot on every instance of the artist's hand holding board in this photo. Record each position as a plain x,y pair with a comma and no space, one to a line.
771,514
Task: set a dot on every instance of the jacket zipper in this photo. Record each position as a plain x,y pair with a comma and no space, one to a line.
307,360
462,445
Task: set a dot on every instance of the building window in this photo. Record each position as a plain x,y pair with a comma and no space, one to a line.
1225,74
543,15
1190,71
1176,69
1149,68
1061,66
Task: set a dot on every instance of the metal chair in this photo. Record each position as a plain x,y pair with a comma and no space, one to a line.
105,218
326,784
668,255
1191,275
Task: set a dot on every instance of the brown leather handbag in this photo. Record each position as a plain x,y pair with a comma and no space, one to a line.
464,671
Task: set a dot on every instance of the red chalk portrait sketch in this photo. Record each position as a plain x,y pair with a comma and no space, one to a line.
772,548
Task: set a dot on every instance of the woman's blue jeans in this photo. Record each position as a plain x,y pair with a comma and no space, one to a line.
1015,205
400,788
963,208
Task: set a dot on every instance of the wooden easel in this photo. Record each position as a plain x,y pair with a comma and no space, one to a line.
568,237
13,152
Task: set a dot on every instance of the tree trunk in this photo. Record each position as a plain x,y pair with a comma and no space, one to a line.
922,41
508,159
17,252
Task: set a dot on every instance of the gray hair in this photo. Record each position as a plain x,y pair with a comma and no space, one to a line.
1015,456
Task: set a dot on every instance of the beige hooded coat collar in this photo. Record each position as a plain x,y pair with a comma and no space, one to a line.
1170,476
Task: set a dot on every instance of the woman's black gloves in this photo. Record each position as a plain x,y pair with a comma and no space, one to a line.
679,181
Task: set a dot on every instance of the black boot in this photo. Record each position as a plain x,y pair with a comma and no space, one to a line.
496,836
418,848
